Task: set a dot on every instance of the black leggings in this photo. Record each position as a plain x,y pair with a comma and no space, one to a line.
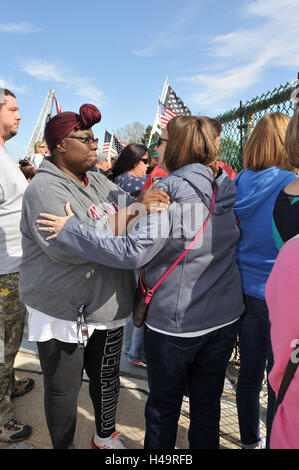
62,365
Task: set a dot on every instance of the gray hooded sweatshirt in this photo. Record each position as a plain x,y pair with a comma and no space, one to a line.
204,289
52,279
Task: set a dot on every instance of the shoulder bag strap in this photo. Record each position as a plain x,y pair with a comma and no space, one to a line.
286,380
169,270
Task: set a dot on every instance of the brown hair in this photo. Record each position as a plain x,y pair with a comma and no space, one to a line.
215,125
265,147
190,140
292,140
5,92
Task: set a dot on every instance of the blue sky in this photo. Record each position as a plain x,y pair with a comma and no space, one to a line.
116,55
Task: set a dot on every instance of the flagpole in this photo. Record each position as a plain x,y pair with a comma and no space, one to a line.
104,142
165,86
157,112
155,123
164,93
111,141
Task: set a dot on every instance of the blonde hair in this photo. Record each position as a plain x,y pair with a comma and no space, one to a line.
37,146
190,140
265,147
292,140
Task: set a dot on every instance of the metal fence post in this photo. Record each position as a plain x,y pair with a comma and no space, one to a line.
297,94
283,98
242,126
241,130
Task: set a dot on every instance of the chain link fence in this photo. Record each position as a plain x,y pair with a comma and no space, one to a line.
239,122
237,125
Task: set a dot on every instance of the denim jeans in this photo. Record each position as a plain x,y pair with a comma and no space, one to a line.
134,342
255,356
171,362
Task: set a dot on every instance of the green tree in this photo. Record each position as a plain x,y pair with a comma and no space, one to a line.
146,135
229,152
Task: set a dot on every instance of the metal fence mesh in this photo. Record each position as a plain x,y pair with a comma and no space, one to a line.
237,125
238,122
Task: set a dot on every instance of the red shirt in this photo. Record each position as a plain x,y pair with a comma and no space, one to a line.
157,172
231,173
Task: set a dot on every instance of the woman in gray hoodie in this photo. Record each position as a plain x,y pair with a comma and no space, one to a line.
192,319
77,308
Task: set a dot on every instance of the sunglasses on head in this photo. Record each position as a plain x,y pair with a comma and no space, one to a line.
160,140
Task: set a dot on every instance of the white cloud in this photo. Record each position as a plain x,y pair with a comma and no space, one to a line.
270,8
163,40
50,72
91,92
245,55
44,71
12,87
19,28
217,88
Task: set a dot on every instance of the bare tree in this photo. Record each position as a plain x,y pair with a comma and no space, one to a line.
131,133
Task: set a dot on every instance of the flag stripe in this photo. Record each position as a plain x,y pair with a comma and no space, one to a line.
107,139
165,114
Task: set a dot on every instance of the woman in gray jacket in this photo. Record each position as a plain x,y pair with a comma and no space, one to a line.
192,319
77,308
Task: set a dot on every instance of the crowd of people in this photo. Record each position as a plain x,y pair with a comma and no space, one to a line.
221,247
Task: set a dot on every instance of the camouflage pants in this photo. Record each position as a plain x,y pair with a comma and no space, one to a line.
12,317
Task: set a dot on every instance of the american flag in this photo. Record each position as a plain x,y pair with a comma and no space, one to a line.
106,142
116,146
58,106
165,114
121,143
174,102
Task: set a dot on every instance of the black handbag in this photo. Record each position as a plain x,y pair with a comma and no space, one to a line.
142,299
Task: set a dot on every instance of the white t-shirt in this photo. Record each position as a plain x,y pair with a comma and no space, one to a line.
36,160
12,187
43,327
193,334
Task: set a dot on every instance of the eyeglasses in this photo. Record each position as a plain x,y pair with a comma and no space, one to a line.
84,140
160,140
145,160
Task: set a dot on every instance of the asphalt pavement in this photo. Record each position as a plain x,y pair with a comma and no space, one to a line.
130,415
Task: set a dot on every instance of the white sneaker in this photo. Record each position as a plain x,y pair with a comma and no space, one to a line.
112,442
263,443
